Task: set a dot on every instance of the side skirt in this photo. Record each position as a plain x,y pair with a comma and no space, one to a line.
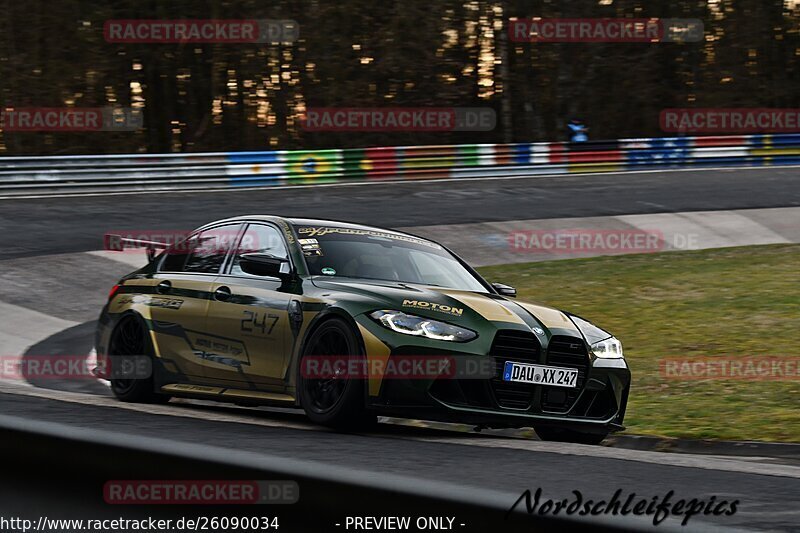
222,394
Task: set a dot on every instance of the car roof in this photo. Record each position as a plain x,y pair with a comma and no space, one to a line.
318,222
336,224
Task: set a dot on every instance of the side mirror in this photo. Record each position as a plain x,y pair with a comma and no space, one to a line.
505,290
260,264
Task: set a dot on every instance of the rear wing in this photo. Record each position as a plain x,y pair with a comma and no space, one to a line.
118,243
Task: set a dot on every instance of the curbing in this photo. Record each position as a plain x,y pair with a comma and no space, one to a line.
781,450
778,450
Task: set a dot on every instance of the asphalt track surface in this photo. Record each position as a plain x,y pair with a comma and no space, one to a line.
766,501
30,227
32,231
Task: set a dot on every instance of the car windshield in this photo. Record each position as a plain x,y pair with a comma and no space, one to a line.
381,255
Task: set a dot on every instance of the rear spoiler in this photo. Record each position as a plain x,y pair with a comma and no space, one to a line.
119,243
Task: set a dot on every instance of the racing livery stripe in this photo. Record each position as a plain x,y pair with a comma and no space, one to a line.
314,307
238,299
498,310
484,306
551,318
175,292
375,350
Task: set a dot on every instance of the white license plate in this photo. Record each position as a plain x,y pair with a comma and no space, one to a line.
540,375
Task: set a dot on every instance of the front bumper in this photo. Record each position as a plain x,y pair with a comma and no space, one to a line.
596,405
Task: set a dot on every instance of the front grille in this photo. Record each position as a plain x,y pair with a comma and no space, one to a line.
512,345
567,352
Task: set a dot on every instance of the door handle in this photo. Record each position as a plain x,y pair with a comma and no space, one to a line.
222,293
164,287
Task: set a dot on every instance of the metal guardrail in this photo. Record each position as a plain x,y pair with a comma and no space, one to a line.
105,173
84,459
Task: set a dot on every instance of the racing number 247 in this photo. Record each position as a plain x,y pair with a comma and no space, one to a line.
255,322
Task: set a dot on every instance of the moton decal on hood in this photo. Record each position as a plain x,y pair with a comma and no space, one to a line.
433,306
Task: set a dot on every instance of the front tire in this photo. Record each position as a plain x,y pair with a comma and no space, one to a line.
548,433
338,401
130,338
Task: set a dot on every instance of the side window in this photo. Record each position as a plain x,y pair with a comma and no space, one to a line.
203,252
208,250
260,238
175,258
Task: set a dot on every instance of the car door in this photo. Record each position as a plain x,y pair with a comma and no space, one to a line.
248,317
179,306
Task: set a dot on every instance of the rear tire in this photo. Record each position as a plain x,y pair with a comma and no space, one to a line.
130,338
547,433
338,402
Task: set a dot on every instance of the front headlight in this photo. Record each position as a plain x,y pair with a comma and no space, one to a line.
601,342
422,327
610,348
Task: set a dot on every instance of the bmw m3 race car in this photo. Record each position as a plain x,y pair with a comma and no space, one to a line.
344,320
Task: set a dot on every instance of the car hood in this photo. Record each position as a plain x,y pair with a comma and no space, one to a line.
449,305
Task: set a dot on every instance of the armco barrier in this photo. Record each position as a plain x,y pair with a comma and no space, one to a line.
58,471
60,174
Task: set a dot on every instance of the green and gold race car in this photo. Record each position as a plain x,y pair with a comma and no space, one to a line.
350,322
